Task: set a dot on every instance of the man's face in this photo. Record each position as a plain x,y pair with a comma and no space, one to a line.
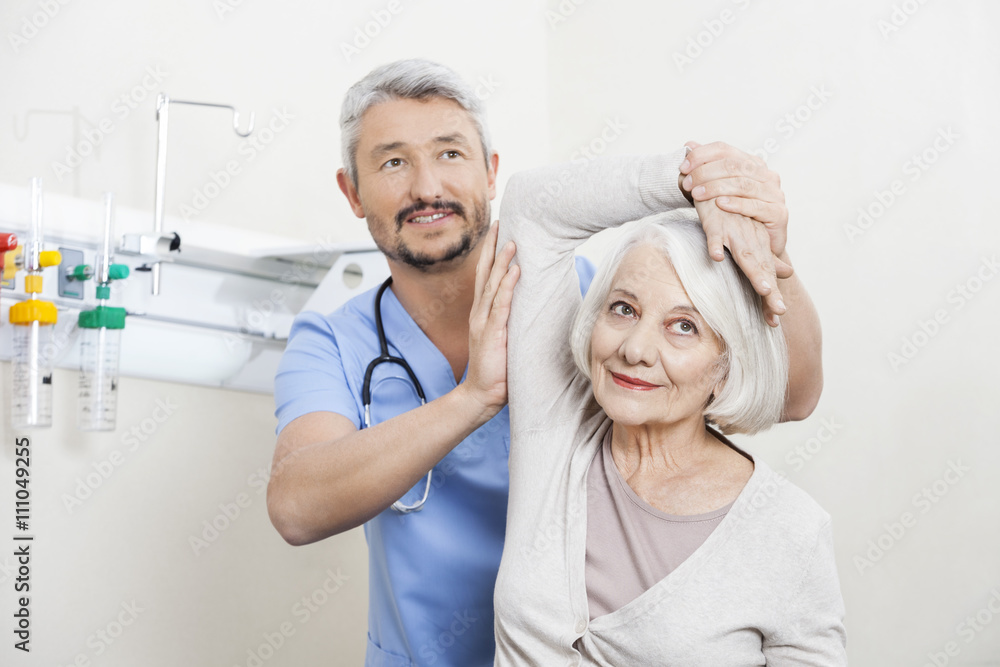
423,182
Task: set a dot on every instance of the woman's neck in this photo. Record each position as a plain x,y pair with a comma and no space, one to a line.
663,449
681,469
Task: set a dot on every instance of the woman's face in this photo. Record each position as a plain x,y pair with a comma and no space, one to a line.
654,361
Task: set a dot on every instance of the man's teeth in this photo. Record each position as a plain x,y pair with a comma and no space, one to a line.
427,218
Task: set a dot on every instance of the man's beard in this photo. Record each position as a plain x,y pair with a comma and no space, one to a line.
470,238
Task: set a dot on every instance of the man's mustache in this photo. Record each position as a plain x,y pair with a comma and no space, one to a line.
453,206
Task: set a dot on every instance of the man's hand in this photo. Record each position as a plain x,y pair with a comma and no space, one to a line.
486,378
742,207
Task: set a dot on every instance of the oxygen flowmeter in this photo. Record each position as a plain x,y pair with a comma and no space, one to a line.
101,329
34,321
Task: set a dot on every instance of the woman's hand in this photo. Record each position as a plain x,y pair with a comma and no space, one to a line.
486,379
742,207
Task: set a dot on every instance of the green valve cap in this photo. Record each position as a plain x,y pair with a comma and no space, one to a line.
117,272
102,317
81,272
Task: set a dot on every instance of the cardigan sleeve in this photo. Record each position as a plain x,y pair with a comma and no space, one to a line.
548,212
814,634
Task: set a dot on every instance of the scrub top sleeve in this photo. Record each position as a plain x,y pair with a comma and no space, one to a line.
311,375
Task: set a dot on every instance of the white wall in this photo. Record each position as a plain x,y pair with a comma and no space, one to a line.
559,82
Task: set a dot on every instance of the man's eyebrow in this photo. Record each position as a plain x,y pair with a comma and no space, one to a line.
452,139
381,149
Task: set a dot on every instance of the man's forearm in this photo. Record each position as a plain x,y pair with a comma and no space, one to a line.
320,487
804,339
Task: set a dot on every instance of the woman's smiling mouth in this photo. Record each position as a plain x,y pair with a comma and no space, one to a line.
632,383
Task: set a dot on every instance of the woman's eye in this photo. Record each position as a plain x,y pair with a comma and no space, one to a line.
684,327
623,309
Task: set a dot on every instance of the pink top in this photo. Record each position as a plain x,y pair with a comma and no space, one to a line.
631,545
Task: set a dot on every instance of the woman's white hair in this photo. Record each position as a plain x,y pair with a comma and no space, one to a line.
413,79
754,363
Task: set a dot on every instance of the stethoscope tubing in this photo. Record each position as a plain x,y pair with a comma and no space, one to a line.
366,397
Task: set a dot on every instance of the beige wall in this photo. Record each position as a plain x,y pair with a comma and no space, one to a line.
565,76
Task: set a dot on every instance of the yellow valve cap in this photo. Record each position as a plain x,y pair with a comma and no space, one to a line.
10,262
33,310
49,258
32,284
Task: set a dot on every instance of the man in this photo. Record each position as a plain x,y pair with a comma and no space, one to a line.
420,169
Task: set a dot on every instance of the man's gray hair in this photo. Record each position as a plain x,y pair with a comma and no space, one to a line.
413,79
754,362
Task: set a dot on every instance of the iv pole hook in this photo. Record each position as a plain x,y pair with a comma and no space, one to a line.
163,103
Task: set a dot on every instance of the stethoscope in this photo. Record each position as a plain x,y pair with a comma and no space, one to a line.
366,389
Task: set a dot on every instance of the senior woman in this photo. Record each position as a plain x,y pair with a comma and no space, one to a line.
637,534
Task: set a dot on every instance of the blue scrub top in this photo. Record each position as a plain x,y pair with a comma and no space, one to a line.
431,572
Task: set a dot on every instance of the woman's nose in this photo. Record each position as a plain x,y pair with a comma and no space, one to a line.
639,347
